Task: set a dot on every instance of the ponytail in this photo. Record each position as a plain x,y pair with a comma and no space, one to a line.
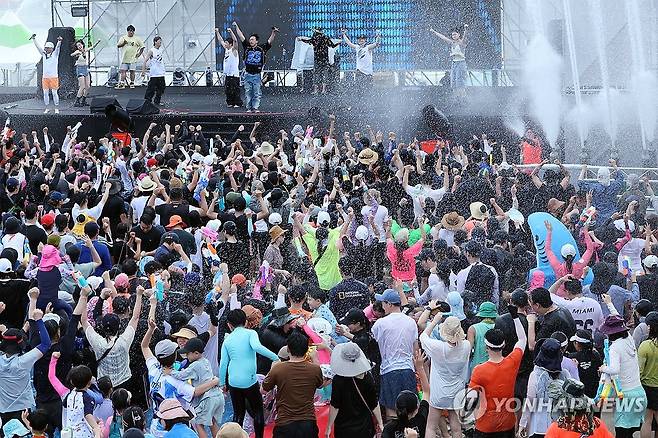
568,263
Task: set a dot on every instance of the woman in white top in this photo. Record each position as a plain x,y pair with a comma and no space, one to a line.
624,366
449,373
457,43
82,71
231,69
80,206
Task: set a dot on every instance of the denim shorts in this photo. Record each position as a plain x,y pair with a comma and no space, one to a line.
81,70
393,383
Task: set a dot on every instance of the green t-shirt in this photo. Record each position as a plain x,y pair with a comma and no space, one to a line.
648,360
414,235
130,50
327,268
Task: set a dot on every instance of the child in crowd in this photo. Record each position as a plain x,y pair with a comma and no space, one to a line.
37,422
79,405
209,407
104,410
317,301
113,426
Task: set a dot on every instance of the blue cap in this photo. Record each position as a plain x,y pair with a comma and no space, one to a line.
389,296
56,196
14,428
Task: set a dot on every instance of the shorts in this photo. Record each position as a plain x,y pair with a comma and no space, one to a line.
629,411
81,70
50,83
127,66
393,383
652,397
210,408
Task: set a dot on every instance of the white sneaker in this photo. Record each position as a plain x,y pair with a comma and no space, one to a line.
56,110
46,111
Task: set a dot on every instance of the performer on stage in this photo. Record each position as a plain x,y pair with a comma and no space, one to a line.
156,85
231,69
82,71
321,44
364,69
50,77
254,61
133,46
457,58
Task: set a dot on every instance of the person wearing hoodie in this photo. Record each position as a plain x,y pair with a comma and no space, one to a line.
604,190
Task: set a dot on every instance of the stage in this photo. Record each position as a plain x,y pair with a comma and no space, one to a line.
490,110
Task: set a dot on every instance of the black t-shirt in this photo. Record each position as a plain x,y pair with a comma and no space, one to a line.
589,362
648,285
321,44
35,235
559,320
150,238
186,239
254,57
506,324
14,294
354,417
362,255
241,224
346,295
236,256
166,211
113,209
120,251
394,429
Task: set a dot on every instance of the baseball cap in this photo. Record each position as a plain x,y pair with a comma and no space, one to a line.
650,261
353,316
519,298
194,345
49,45
165,348
582,336
12,183
5,266
56,196
275,218
389,296
47,220
361,232
151,162
324,218
170,237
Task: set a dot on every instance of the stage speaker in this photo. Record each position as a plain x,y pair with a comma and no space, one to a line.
68,82
99,103
141,107
436,121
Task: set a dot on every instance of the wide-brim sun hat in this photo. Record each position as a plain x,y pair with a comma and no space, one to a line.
146,184
549,356
171,409
276,232
451,330
367,157
478,211
613,324
452,221
487,310
348,360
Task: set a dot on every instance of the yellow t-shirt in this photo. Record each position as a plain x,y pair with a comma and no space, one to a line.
130,50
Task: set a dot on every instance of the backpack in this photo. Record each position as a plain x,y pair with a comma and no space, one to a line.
480,283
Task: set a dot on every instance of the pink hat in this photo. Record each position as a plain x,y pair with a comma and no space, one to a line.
49,258
537,279
121,281
209,233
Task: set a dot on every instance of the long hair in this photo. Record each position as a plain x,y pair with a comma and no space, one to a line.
568,263
321,233
400,248
653,333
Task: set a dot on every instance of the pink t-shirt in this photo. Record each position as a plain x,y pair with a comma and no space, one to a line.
403,268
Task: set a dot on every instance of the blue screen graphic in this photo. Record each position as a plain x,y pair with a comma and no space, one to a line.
406,43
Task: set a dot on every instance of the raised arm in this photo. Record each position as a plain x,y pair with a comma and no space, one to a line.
275,30
347,40
239,32
34,40
221,41
137,310
373,46
440,35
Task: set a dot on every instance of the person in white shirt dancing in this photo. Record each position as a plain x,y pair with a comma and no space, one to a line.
156,85
50,78
458,72
231,69
364,69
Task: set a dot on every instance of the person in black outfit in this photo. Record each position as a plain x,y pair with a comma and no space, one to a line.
551,317
349,293
321,66
149,234
359,333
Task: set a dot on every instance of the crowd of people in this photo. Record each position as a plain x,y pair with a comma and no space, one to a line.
184,286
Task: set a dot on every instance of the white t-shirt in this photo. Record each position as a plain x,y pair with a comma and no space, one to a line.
449,371
231,63
50,62
139,203
157,68
380,217
364,60
396,335
166,387
586,312
632,250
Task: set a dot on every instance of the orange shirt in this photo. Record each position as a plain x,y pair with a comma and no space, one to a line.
303,313
497,380
531,154
555,432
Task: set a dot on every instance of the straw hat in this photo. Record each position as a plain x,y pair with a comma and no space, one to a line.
348,360
146,184
478,210
276,232
367,157
452,221
451,330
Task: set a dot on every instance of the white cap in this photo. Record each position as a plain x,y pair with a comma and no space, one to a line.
275,218
361,232
568,250
94,282
5,266
650,261
197,157
621,225
51,317
324,218
214,224
208,160
48,45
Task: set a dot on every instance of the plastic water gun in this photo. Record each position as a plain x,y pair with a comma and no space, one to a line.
607,384
158,285
204,178
323,355
80,279
626,267
587,216
265,275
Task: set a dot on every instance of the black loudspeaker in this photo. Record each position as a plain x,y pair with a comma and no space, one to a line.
436,120
68,82
99,103
141,107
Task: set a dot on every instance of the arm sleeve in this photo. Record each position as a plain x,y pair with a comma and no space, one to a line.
260,349
44,345
54,380
270,380
554,262
223,364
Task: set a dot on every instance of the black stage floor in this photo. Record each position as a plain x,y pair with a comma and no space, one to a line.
387,109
